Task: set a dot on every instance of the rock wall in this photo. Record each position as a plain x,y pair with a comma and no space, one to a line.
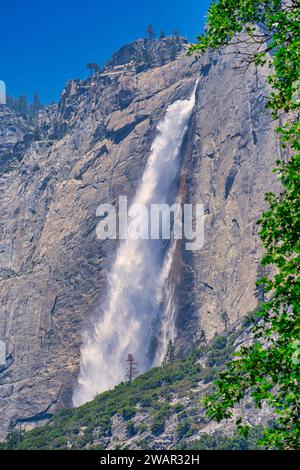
90,149
231,150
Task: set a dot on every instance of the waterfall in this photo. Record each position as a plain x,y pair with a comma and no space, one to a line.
139,277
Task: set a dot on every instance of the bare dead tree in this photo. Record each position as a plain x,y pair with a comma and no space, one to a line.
132,369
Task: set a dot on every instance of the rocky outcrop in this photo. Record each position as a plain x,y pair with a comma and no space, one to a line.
161,409
89,150
145,53
14,136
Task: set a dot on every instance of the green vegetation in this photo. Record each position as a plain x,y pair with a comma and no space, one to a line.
269,369
184,429
130,429
170,354
151,393
158,424
93,68
221,442
75,427
150,32
128,412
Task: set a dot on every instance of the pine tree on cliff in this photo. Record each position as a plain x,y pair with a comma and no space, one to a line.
94,68
170,354
36,104
150,32
14,435
22,105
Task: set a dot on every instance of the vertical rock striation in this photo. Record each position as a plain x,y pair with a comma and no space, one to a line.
230,153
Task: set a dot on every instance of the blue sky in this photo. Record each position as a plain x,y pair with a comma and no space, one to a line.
45,43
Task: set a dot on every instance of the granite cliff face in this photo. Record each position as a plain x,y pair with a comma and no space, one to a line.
88,150
15,134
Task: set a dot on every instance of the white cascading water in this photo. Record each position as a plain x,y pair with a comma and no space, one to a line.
138,278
